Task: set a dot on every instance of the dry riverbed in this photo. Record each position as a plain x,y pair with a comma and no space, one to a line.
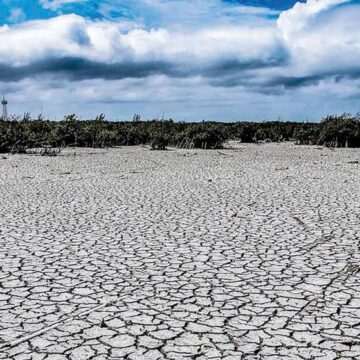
249,253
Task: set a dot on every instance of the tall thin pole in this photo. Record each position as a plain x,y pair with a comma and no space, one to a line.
4,104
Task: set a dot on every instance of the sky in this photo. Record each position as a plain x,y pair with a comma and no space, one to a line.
189,60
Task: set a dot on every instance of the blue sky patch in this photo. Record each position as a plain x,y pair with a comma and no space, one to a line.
16,11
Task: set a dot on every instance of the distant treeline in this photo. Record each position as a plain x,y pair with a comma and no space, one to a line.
20,134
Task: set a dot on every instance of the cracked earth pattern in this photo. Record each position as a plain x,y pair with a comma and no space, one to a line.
249,253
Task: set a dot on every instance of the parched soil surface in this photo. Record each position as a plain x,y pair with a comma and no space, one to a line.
249,253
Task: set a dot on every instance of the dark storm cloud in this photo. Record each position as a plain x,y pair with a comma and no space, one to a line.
82,69
289,82
226,74
228,68
294,81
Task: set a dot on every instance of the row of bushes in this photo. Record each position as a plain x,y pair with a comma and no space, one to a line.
20,134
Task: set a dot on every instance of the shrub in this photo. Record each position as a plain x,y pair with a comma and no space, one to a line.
340,131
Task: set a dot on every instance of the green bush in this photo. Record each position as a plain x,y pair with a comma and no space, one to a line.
340,131
21,133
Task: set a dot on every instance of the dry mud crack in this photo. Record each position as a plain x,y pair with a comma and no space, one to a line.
134,254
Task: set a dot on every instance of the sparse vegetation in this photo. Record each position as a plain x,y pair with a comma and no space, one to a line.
19,134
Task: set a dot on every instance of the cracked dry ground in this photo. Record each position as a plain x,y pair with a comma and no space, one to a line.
250,253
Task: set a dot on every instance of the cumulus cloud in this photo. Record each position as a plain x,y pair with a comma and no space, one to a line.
92,43
312,46
323,37
303,14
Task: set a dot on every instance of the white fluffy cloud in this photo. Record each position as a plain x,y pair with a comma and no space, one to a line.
322,37
312,48
69,35
303,14
303,32
104,41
